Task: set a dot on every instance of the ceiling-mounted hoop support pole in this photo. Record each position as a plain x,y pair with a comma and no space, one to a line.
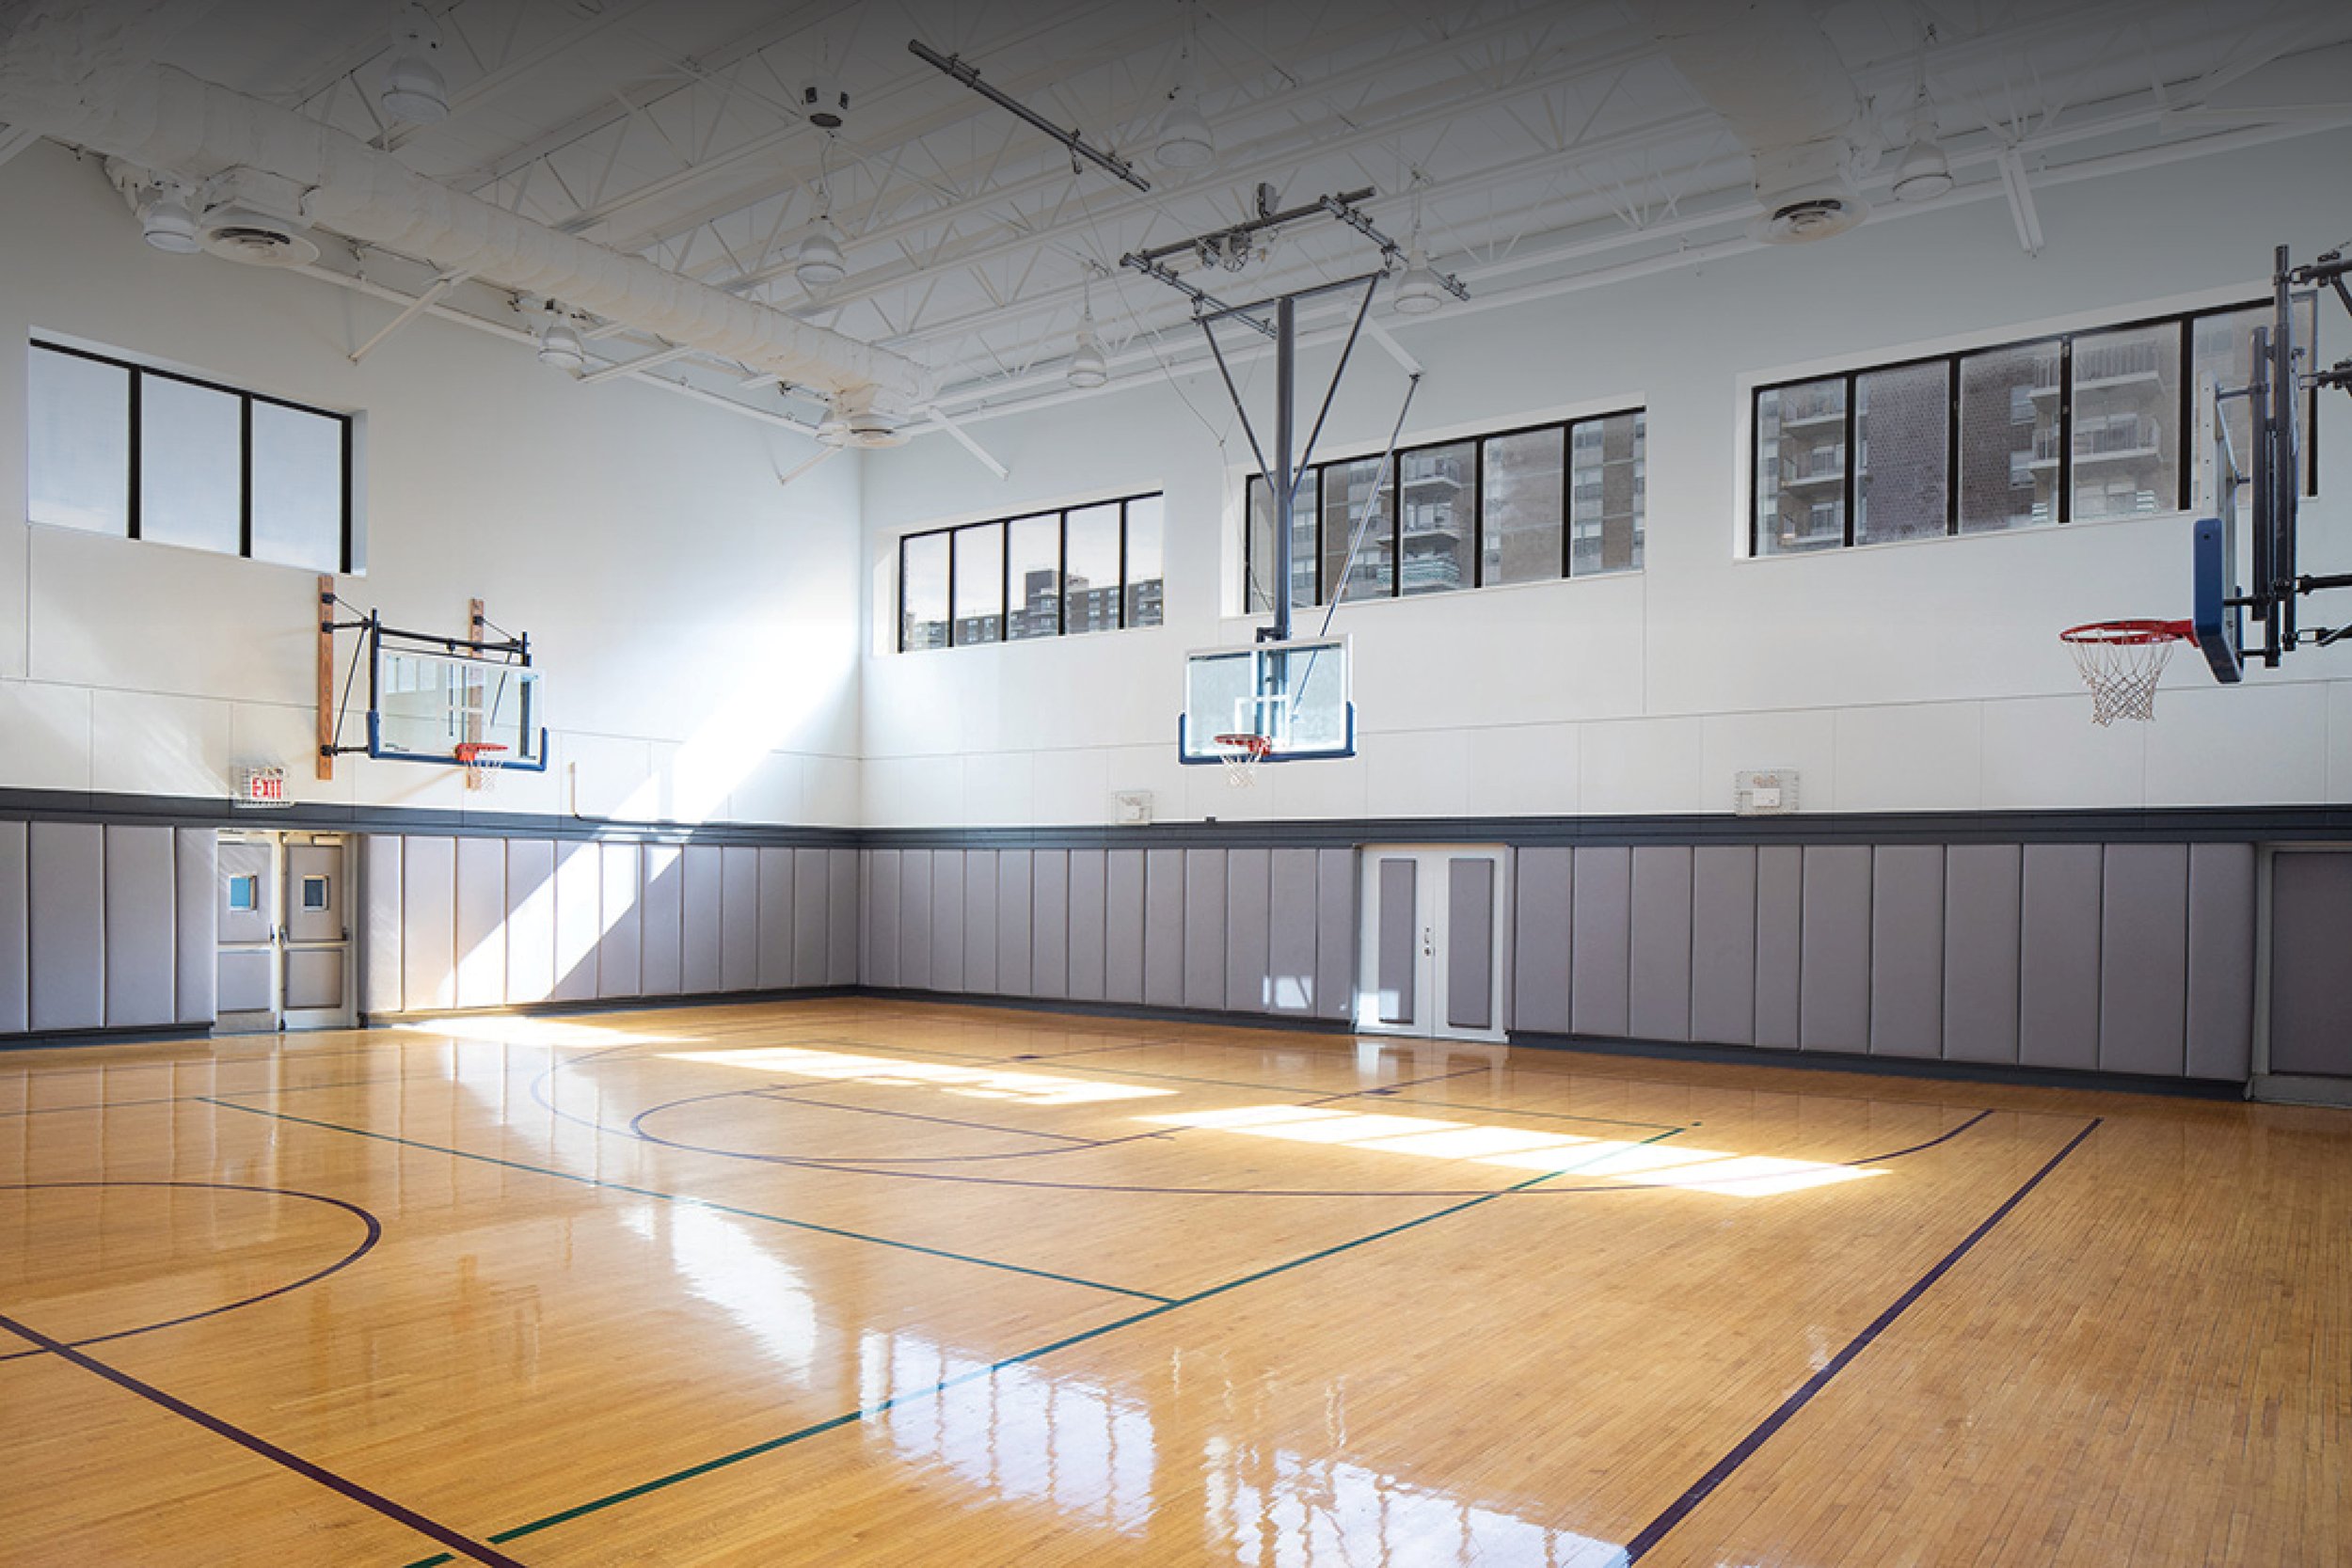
1079,147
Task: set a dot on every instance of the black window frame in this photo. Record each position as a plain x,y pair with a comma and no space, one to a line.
1120,590
347,536
2183,322
1392,493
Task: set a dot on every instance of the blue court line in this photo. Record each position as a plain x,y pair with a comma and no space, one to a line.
687,1200
881,1406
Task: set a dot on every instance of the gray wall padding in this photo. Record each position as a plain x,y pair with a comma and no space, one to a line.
811,917
1539,972
530,920
946,920
65,882
1204,929
1469,952
1164,928
1248,878
197,851
981,871
842,909
480,922
16,931
1779,944
1907,951
2311,984
1335,933
382,919
706,909
621,946
778,929
1722,945
428,898
142,957
1291,914
663,921
914,919
1833,976
1981,902
1049,924
579,921
2221,964
738,918
1087,872
1659,957
1015,924
1123,925
881,917
1395,974
2057,947
1601,949
2143,960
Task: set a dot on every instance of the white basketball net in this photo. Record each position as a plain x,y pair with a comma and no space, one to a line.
482,765
1241,755
2122,662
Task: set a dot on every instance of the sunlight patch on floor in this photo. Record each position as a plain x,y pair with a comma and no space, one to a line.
1027,1089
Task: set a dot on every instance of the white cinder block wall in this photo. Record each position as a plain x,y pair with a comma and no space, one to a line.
697,622
1904,678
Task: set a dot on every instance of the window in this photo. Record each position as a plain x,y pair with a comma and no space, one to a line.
2076,428
1092,568
1530,505
122,448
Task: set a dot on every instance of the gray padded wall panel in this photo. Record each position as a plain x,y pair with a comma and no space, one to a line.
842,913
578,919
1013,923
1981,893
1085,924
428,903
15,966
1335,933
1164,929
1907,950
1204,929
1123,925
621,948
1600,948
1722,945
778,926
2310,991
705,916
981,871
1779,944
1659,964
882,877
811,917
1247,880
1833,971
914,919
2143,960
2058,946
2220,960
530,919
946,920
1290,931
481,919
1539,999
64,902
1049,924
664,867
196,930
739,917
380,961
142,952
1470,950
1396,945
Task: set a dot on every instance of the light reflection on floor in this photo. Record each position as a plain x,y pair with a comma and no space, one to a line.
1027,1089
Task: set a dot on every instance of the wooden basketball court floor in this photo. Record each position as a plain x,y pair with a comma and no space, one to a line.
864,1282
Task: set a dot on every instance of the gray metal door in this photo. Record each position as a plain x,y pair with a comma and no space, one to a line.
285,949
1432,946
317,968
246,893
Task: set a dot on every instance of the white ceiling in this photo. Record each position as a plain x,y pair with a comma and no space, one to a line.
1558,146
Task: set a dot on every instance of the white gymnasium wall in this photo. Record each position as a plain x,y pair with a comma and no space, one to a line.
1902,677
697,623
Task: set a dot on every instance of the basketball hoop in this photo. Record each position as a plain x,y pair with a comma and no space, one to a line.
479,758
1241,754
2120,660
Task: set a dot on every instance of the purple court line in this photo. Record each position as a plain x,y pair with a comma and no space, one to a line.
455,1542
1656,1530
771,1093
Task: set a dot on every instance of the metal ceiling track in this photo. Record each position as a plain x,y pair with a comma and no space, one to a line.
1079,146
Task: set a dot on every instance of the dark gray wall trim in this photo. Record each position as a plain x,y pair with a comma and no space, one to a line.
52,1038
199,811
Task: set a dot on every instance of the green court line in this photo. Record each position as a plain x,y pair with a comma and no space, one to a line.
684,1199
883,1406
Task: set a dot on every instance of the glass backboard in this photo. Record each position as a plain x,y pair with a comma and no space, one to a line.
1293,694
428,704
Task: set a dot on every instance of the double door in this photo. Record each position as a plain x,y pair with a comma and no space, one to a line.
284,910
1433,942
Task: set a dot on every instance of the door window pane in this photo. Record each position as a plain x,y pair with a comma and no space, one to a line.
1091,549
1800,468
297,487
1438,519
2008,451
1347,488
923,592
1519,512
1036,576
1902,435
78,460
191,464
979,561
2127,415
1143,561
1608,478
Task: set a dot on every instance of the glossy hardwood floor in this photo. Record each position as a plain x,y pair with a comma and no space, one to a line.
855,1282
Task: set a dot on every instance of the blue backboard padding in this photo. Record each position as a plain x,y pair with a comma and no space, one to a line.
2213,619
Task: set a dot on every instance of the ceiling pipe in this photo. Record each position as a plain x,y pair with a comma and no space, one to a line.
62,73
